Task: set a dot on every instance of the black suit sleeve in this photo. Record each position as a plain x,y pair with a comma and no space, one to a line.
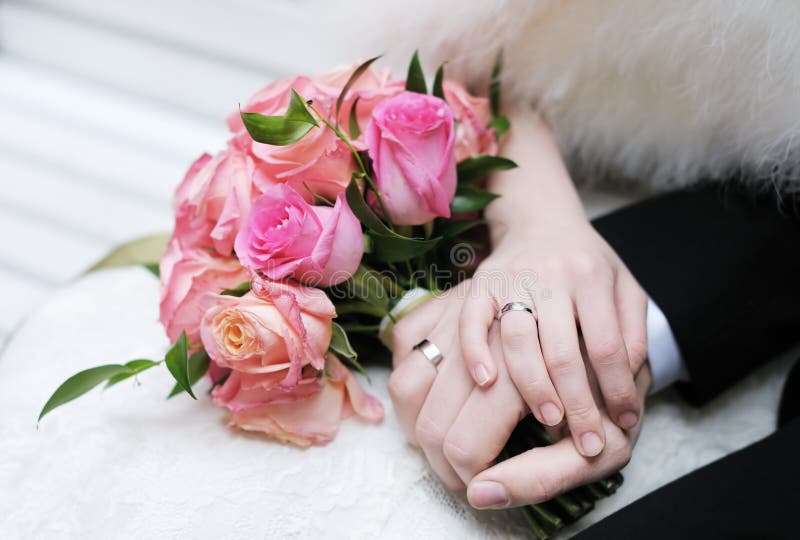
724,266
747,495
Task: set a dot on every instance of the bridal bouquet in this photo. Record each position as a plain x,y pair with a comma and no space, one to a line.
340,203
335,196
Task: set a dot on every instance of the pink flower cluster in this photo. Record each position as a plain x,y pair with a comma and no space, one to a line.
249,213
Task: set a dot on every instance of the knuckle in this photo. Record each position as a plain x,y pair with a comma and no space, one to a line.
561,357
607,352
591,267
401,390
458,452
549,483
534,389
625,395
428,433
637,351
582,413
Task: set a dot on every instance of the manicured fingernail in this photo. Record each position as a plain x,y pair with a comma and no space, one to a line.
487,495
481,375
628,419
591,443
550,413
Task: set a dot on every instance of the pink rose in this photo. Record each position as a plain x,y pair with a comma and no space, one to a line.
269,335
472,114
213,200
308,414
320,160
187,276
284,236
411,141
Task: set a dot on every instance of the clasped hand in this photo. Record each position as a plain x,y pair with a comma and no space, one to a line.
577,363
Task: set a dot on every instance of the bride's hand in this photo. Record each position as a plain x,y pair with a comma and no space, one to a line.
572,279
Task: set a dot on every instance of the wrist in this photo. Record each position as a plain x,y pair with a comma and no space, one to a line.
519,228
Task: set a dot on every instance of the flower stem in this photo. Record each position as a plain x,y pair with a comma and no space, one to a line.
362,328
361,308
339,133
535,526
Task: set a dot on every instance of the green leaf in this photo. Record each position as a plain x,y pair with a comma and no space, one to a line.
367,285
474,169
438,82
340,345
448,228
494,85
198,366
281,130
145,250
386,245
355,131
79,384
359,206
177,361
415,81
134,368
471,199
500,124
350,82
394,248
153,268
240,290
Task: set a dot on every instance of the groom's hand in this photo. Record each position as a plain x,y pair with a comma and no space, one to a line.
542,473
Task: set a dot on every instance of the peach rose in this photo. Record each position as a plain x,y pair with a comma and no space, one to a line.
187,276
472,114
214,199
309,413
269,335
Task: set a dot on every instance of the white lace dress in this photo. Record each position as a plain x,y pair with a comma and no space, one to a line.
125,463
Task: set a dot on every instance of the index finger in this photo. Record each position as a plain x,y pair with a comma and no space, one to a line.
477,316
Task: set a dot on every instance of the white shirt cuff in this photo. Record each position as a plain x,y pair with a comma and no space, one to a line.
666,362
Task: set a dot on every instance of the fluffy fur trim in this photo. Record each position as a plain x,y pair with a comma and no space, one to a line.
662,93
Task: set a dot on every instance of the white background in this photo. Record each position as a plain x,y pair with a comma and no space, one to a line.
103,105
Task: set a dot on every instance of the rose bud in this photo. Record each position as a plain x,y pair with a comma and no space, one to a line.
411,139
284,236
472,114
